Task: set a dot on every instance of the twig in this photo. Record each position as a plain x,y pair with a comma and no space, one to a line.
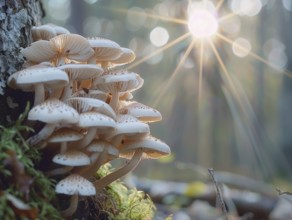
218,193
280,192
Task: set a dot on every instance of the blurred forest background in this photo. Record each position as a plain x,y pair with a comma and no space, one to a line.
205,124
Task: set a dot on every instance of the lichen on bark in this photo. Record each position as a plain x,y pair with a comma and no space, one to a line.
16,20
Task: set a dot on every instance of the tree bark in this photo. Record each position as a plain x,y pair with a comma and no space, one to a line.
16,20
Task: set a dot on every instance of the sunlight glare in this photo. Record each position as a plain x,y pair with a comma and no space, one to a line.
202,24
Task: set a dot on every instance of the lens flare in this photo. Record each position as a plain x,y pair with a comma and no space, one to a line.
202,24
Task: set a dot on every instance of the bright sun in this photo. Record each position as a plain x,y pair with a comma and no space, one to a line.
202,23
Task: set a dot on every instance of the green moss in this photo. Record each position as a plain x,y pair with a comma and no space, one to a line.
123,203
21,180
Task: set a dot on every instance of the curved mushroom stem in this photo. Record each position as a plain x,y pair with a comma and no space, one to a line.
68,91
91,133
56,93
72,207
43,134
114,102
39,95
59,171
131,165
90,170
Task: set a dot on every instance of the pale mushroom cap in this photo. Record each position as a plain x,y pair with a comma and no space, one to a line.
127,56
152,147
118,81
71,158
98,146
83,104
95,119
75,184
49,76
39,51
65,135
81,71
105,49
72,46
43,32
58,29
142,112
130,126
54,111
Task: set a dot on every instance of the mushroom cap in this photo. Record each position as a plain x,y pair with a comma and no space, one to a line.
130,126
54,111
81,71
142,112
43,32
65,135
96,119
75,184
72,46
49,76
39,51
58,29
71,158
152,147
105,49
83,104
97,146
127,56
118,81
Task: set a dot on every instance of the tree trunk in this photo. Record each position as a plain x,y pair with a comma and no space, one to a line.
16,20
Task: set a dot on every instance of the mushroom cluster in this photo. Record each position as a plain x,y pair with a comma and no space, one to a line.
84,98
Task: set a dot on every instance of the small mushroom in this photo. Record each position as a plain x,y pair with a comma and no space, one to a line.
74,185
83,104
140,111
148,147
115,82
69,159
43,32
127,56
96,123
105,50
54,113
37,79
63,136
78,72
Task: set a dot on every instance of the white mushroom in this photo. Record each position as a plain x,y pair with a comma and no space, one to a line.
54,113
73,186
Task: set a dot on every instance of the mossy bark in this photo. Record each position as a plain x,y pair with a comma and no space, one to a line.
16,20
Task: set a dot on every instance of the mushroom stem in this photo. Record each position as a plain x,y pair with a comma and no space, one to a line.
68,90
114,101
88,171
131,165
63,147
43,134
39,95
90,135
56,93
72,207
59,171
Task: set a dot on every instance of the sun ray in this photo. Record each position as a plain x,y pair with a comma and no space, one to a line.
201,70
254,55
170,44
226,17
162,18
242,103
175,72
219,5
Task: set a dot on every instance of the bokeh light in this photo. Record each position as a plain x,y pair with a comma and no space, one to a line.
159,36
246,7
241,47
274,50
